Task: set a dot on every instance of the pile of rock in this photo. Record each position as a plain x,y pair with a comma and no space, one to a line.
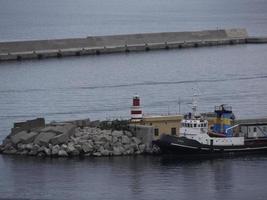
68,139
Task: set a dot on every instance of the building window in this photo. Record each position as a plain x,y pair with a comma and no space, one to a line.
173,131
150,124
156,132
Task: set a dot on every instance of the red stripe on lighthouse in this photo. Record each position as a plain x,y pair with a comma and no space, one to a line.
136,112
136,102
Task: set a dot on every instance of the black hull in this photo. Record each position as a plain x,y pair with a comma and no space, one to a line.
181,146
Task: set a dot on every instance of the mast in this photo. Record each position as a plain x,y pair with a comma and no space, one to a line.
194,105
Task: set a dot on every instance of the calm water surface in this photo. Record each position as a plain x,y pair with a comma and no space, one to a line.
133,178
38,19
101,87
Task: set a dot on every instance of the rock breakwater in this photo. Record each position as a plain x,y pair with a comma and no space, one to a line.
69,139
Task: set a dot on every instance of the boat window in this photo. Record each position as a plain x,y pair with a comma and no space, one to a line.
255,129
195,125
198,125
201,124
191,125
156,131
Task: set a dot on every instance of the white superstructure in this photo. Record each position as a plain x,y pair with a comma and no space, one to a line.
196,128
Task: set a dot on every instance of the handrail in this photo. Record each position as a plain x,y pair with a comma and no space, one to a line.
226,131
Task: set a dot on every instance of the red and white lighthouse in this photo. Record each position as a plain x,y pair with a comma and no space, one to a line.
136,110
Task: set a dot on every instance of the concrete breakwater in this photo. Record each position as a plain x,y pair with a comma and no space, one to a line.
75,138
39,49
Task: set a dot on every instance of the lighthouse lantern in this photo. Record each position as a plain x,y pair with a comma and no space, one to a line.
136,110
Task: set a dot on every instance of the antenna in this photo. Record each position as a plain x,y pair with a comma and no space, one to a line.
179,104
194,105
194,102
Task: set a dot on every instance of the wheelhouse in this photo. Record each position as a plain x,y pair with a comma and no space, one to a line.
194,123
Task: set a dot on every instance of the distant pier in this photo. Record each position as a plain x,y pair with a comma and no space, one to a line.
95,45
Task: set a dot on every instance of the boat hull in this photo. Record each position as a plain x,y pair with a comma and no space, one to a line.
183,146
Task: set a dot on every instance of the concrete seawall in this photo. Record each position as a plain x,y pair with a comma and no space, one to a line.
39,49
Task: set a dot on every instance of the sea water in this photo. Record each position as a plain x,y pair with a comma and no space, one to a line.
101,87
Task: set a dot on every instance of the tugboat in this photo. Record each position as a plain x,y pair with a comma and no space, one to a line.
196,138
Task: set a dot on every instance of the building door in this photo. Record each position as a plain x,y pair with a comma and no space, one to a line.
173,131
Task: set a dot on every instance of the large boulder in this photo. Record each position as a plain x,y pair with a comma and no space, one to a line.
128,133
62,153
142,148
114,139
23,137
64,147
29,125
78,133
104,138
134,146
60,139
29,146
136,140
97,154
6,145
87,147
118,150
72,150
10,150
47,151
33,152
117,133
108,146
66,128
23,152
125,140
105,152
55,150
44,138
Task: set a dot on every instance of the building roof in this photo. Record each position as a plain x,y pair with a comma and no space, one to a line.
251,122
161,117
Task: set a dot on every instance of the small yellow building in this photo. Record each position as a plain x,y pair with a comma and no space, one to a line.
166,124
169,124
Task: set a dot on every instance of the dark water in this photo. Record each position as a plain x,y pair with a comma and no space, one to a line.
133,178
101,87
